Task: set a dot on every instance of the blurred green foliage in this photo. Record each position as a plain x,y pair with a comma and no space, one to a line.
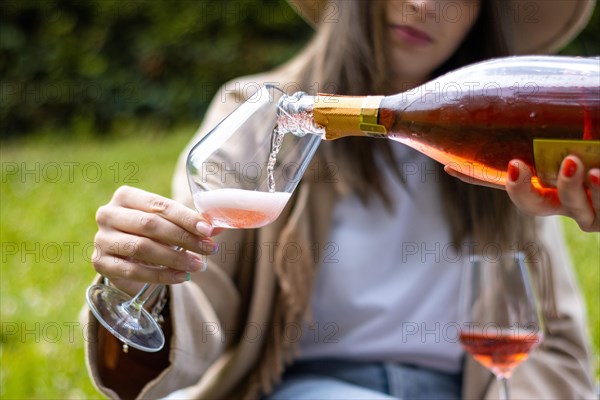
587,43
81,66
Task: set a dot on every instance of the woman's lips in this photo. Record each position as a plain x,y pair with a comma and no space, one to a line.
411,35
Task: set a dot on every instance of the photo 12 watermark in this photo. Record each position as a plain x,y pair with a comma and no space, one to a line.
254,332
458,332
39,94
69,172
52,332
275,251
65,252
467,251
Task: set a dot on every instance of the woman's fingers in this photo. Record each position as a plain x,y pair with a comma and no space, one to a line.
153,226
129,276
530,199
118,269
122,257
146,251
570,198
144,237
572,193
149,215
171,210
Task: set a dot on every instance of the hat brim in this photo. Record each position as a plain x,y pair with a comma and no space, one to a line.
539,26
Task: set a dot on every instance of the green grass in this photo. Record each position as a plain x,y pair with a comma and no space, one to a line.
585,253
47,229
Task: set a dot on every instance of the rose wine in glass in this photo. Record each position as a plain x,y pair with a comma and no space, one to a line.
238,208
501,322
500,351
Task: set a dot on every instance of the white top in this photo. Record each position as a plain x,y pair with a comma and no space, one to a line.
387,288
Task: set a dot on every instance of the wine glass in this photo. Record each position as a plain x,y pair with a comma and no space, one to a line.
501,321
125,316
241,175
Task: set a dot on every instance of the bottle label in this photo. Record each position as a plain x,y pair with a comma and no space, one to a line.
548,154
368,117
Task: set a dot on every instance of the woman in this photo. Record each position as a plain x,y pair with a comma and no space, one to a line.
375,307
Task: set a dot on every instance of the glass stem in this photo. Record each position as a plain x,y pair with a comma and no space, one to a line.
135,305
503,383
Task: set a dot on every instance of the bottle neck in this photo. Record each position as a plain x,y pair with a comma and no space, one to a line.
330,116
295,115
348,115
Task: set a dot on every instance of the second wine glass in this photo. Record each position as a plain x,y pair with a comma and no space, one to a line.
501,322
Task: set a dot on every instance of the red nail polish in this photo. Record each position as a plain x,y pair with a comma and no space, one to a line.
595,179
513,172
569,168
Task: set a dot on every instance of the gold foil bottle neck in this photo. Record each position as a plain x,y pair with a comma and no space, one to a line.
348,115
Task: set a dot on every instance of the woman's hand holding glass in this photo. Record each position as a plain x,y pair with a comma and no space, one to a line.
143,237
146,238
241,175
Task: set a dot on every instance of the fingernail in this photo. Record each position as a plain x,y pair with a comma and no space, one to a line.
513,172
210,246
569,168
204,228
197,264
182,276
595,179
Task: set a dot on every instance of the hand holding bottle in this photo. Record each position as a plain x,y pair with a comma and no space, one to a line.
575,195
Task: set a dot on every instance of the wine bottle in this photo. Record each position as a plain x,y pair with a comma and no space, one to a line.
475,119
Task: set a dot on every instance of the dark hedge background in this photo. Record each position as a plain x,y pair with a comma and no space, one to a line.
91,65
79,67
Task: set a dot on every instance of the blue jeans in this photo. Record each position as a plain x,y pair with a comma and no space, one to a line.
350,380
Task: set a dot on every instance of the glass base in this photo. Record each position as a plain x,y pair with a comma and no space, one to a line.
109,306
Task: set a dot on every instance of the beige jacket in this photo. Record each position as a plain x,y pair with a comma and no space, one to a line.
229,338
